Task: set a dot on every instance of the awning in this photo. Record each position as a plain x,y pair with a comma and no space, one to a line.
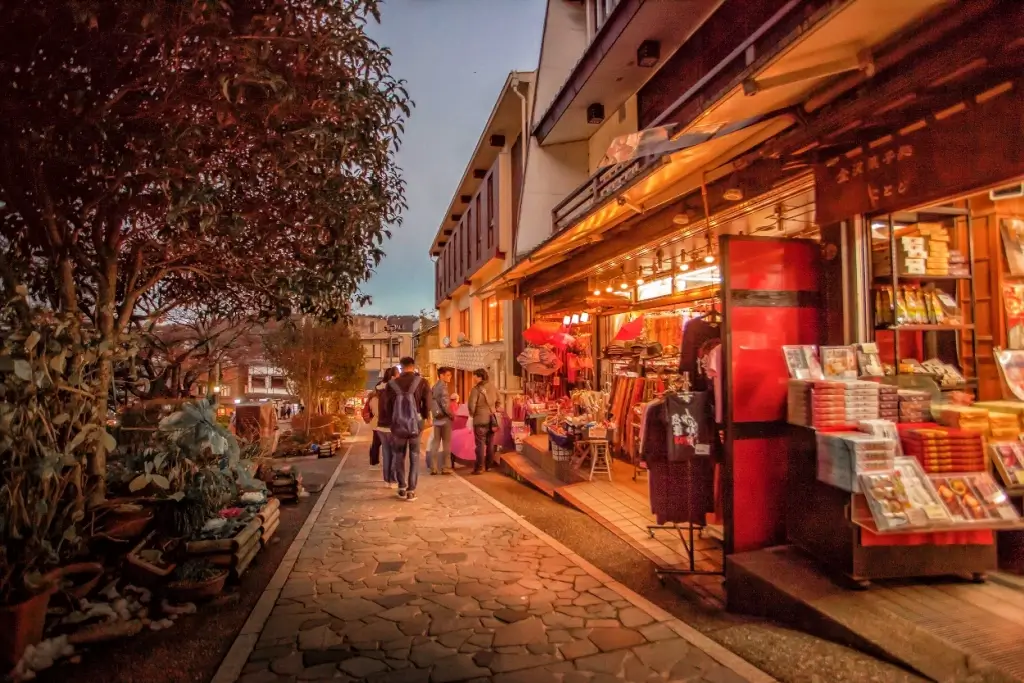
467,357
678,173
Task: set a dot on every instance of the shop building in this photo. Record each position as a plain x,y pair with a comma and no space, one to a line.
845,177
386,340
474,243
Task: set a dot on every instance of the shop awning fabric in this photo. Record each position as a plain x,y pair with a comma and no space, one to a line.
466,357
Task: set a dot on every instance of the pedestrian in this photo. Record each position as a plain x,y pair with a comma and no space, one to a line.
483,400
381,445
403,410
440,452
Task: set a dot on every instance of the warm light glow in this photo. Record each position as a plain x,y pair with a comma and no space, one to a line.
216,388
238,400
684,267
493,304
584,317
608,289
597,292
639,280
709,259
566,320
623,285
575,318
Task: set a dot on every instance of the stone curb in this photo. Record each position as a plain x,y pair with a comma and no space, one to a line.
234,661
723,656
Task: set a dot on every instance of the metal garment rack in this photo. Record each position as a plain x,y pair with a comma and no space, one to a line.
686,533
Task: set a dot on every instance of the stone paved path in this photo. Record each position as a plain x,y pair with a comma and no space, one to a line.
453,588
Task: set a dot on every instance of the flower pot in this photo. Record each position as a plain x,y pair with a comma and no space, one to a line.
83,578
127,526
21,625
192,591
142,572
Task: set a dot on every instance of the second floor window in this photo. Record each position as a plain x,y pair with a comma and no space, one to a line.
477,227
490,211
493,321
445,328
464,323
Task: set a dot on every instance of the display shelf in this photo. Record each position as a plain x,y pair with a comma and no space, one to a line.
860,515
924,328
887,279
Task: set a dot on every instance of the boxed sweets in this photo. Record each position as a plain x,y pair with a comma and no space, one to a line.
914,406
902,497
841,456
974,498
962,417
945,450
798,402
1008,457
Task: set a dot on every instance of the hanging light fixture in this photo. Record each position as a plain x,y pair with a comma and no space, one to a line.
575,318
623,285
584,317
710,258
609,289
597,292
566,320
640,277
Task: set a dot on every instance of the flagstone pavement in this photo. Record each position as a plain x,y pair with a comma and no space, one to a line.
454,587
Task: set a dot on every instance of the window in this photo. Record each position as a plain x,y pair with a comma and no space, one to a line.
478,229
464,323
446,328
490,211
370,350
396,347
493,321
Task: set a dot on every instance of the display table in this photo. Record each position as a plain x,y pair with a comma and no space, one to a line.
819,520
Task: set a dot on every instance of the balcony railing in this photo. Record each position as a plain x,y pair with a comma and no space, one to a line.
588,196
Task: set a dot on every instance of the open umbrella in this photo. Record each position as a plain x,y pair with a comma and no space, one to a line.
631,330
541,332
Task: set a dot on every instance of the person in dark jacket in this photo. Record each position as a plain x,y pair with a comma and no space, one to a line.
405,383
483,400
379,446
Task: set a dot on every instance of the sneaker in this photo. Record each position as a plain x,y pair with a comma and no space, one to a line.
390,484
401,493
410,496
477,472
446,471
434,472
374,467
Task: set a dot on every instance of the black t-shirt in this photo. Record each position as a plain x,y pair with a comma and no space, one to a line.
696,333
690,430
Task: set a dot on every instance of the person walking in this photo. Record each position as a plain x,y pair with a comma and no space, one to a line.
483,400
403,410
381,445
440,452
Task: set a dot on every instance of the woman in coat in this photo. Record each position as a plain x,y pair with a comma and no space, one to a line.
483,401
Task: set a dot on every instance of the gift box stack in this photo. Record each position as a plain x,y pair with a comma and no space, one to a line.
937,239
844,455
1003,427
888,402
835,403
958,265
798,402
911,253
966,418
945,450
915,406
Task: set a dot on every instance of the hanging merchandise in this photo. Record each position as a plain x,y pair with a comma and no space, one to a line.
695,335
690,429
1013,244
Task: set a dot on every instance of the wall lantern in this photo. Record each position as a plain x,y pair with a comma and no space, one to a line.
595,113
648,54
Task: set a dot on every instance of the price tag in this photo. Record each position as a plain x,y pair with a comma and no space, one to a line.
935,511
917,517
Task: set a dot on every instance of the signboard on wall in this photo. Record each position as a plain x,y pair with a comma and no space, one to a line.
972,145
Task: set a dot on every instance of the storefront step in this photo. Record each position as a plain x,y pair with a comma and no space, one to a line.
946,630
520,468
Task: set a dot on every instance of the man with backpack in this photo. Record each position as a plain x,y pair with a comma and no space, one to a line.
403,410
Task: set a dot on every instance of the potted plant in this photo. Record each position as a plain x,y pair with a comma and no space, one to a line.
50,424
196,580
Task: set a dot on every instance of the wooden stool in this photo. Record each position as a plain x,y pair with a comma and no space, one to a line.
600,460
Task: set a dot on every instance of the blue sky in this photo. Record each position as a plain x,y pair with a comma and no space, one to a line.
455,55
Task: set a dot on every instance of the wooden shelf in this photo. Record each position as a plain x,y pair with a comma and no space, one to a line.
924,328
887,279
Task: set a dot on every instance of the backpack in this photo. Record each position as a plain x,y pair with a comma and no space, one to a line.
405,416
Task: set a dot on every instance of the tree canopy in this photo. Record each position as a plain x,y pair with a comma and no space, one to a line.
228,153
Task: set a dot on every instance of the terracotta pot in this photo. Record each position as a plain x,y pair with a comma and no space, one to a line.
22,625
83,575
143,573
187,591
125,527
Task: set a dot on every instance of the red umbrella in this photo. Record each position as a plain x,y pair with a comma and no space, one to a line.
630,330
541,332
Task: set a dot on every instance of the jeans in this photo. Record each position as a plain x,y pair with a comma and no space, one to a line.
375,449
388,453
483,435
439,455
398,449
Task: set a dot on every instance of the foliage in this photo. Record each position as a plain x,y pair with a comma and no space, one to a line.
234,155
325,362
49,423
196,571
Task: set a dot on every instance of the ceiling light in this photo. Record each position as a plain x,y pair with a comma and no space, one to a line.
566,320
681,219
733,194
709,259
639,280
597,292
575,318
648,54
684,267
608,289
584,317
623,285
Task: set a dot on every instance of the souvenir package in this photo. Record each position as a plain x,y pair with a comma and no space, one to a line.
844,455
1001,408
1008,457
945,450
945,374
884,307
802,362
914,406
1013,301
1003,427
888,402
902,498
1011,370
837,403
1012,230
947,312
839,362
962,417
868,360
975,497
798,402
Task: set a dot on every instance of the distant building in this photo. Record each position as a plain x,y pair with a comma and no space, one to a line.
386,340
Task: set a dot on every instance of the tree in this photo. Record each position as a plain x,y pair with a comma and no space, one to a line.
230,154
325,362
